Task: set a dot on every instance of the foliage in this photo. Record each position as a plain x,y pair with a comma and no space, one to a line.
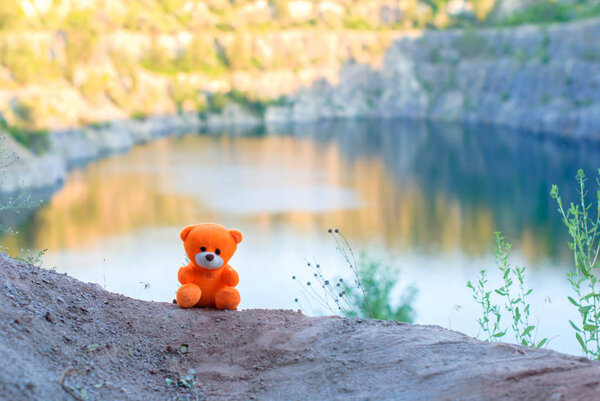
358,23
37,141
32,257
25,64
378,280
482,8
369,295
583,225
541,12
181,92
229,16
217,101
239,54
81,38
515,300
16,205
199,56
490,313
11,14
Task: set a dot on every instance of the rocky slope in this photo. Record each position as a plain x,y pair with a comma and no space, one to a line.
533,78
62,339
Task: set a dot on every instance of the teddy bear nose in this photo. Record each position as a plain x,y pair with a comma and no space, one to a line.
210,257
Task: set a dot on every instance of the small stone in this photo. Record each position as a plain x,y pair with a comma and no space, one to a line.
49,316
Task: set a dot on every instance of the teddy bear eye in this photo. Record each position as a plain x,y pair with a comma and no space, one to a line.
203,249
218,251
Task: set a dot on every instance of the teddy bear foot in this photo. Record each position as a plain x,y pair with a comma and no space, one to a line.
188,295
227,298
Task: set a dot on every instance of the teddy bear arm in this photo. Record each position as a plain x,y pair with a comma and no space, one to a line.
184,275
230,277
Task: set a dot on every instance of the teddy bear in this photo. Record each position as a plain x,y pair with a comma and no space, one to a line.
207,280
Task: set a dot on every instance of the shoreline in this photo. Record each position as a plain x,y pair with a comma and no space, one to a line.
40,176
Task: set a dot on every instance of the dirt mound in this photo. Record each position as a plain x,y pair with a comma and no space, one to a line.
61,339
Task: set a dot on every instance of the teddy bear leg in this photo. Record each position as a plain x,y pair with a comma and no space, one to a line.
227,298
188,295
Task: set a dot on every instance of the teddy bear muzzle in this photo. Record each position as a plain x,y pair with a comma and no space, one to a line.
208,260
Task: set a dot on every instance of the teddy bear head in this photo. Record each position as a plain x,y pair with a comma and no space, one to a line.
209,245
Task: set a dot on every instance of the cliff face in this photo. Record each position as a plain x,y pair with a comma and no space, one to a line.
534,78
540,79
57,79
62,339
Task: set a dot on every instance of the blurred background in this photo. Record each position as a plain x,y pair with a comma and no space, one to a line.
418,128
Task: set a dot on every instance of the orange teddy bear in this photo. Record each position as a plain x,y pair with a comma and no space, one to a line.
207,280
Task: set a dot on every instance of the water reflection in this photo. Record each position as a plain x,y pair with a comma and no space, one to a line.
431,187
454,184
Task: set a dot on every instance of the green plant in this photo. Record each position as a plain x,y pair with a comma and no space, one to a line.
225,27
378,280
355,22
583,225
11,14
82,36
368,295
541,12
515,300
37,141
32,257
16,205
27,64
490,313
187,381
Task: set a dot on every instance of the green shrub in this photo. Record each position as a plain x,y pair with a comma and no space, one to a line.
38,141
181,92
94,86
582,220
358,23
541,12
199,56
239,54
11,14
225,27
378,280
515,300
369,294
139,115
82,37
157,59
27,66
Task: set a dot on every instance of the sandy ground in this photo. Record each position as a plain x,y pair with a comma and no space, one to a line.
61,339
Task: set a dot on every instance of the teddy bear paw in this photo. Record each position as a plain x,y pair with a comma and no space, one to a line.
188,295
227,298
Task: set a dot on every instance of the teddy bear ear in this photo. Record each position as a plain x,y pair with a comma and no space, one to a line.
186,230
237,236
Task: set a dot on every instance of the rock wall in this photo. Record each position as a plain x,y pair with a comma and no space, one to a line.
532,78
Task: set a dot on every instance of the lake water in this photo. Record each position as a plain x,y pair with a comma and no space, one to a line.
425,197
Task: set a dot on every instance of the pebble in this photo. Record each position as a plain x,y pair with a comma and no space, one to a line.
49,316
